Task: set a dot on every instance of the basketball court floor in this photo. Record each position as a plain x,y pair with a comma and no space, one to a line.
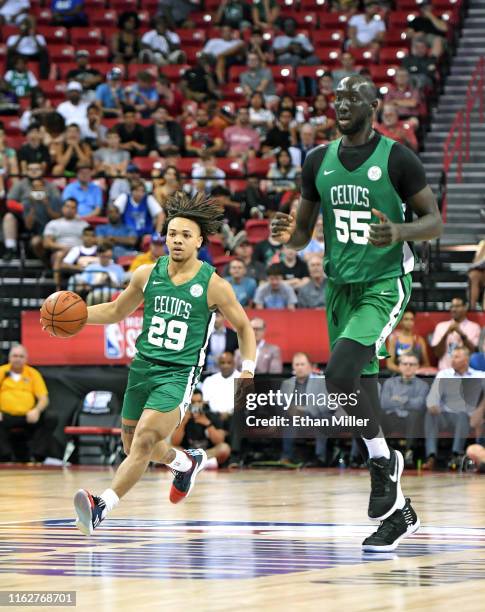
244,540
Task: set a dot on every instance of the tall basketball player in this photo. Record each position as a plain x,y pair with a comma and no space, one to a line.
367,187
180,295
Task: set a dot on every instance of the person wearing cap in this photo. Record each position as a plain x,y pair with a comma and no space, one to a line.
30,45
87,194
123,185
156,250
110,96
74,110
367,29
89,77
69,13
143,95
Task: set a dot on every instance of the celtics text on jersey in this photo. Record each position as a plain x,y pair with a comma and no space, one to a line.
347,199
177,321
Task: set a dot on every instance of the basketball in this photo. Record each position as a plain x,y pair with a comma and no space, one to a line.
63,314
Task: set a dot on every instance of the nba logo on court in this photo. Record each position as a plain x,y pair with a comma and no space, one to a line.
114,340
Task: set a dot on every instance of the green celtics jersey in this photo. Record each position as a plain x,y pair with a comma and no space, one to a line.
347,200
177,321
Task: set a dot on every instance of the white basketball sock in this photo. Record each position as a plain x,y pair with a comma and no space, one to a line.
110,499
181,462
377,447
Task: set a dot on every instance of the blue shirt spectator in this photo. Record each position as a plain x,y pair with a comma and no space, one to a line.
115,232
275,293
69,12
111,94
143,96
244,286
88,196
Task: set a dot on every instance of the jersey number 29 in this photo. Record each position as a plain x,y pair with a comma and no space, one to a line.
171,336
352,225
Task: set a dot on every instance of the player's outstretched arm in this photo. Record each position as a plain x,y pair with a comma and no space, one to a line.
125,303
221,295
296,232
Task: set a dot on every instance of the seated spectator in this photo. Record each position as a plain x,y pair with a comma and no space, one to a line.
430,26
451,403
347,63
74,110
143,95
260,118
244,286
265,250
9,103
198,82
404,340
206,175
121,238
263,48
89,77
306,142
156,250
132,134
40,109
218,389
323,118
200,428
312,294
325,87
241,139
308,386
69,13
202,137
100,279
458,332
275,293
287,102
160,45
265,13
294,269
177,12
257,79
254,269
126,43
268,356
169,97
281,175
94,132
405,97
140,211
226,48
164,137
316,244
222,340
23,402
476,277
111,160
70,154
235,14
33,151
282,135
13,11
78,257
252,200
293,49
62,234
9,168
166,182
367,29
20,80
403,402
420,65
121,186
395,129
30,45
110,95
87,194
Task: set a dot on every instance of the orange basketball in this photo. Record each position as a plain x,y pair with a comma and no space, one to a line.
63,314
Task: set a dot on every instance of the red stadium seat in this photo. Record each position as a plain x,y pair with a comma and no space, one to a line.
259,166
328,55
174,71
9,30
126,5
145,164
333,20
221,261
383,74
53,34
396,36
66,67
15,141
315,5
103,18
184,165
99,54
392,55
231,167
191,36
216,248
232,91
282,73
61,53
330,37
11,125
83,36
313,72
236,185
202,19
134,69
235,72
257,229
44,17
401,19
363,57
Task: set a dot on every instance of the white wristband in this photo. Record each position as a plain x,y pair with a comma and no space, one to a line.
248,366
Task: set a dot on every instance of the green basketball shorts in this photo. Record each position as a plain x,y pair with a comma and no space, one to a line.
367,313
158,387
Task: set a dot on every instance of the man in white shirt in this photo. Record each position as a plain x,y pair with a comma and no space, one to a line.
31,46
223,48
367,29
74,110
451,402
218,389
160,45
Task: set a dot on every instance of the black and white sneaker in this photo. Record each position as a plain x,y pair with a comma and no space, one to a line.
386,495
90,510
399,525
184,481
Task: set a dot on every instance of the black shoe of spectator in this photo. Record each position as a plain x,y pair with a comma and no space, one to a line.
9,255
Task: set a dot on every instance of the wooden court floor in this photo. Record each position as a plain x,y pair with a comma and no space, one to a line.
245,540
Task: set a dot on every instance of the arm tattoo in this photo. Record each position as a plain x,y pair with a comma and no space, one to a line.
128,429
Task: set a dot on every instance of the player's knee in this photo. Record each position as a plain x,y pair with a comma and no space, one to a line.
143,443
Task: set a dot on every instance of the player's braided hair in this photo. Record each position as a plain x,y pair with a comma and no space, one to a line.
206,212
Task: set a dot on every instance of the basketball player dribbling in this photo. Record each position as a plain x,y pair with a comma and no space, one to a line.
366,186
180,295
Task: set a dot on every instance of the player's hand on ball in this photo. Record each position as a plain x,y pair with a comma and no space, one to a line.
385,233
283,227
